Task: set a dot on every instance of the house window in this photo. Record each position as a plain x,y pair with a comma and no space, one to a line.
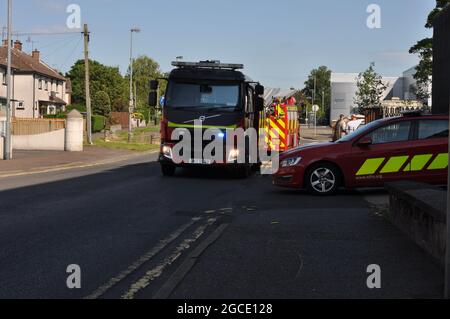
40,84
20,105
3,78
46,85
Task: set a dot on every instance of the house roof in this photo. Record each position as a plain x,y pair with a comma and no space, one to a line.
24,62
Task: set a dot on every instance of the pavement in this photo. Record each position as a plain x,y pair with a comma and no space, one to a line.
320,134
35,162
200,234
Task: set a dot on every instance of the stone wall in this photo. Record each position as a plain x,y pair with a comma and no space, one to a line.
419,210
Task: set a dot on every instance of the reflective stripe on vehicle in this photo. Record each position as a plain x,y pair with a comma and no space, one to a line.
370,166
440,162
418,163
395,164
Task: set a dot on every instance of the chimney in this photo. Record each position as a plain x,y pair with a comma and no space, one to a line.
36,55
18,45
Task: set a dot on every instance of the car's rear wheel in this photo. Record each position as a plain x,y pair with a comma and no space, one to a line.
168,170
323,179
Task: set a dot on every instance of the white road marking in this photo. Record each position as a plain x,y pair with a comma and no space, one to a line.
143,259
158,270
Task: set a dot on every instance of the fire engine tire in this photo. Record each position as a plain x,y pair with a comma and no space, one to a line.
242,172
168,170
323,179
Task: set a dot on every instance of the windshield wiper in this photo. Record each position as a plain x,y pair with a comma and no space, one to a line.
185,107
222,108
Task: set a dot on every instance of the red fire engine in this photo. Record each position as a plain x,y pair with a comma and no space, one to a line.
280,122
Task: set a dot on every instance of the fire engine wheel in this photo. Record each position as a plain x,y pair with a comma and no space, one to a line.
242,172
168,170
323,179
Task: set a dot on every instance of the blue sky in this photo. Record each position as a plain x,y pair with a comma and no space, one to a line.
278,41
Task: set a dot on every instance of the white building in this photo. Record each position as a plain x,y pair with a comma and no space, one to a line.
344,88
37,89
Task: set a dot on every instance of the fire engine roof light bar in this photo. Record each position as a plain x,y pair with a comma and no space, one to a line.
208,65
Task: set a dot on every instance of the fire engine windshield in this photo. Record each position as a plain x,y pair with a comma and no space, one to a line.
187,95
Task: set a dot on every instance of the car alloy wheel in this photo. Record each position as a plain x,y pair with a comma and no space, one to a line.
323,180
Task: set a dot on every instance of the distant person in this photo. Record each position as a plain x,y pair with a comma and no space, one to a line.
339,129
354,124
344,126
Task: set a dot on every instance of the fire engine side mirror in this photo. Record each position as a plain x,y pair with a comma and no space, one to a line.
154,85
365,141
259,89
259,104
153,99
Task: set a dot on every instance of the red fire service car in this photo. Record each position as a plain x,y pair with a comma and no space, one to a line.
411,147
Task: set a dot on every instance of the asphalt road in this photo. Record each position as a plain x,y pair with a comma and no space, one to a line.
201,234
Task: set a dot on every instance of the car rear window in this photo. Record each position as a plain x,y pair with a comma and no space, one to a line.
429,129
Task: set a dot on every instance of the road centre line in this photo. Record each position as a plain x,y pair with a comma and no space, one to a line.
157,271
143,259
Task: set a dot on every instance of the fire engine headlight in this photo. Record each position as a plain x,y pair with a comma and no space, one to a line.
288,162
167,151
234,155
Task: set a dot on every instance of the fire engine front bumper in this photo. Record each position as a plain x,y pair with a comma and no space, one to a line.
166,158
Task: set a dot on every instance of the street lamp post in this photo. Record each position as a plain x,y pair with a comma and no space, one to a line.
131,104
8,140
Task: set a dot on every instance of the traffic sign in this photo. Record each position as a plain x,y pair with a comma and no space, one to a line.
315,108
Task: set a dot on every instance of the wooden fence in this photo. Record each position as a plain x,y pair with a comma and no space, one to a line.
36,126
121,118
373,114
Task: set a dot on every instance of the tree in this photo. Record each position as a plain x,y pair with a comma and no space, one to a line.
322,79
370,89
102,78
101,104
424,71
424,49
145,69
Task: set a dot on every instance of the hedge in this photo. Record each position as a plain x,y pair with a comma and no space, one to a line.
98,123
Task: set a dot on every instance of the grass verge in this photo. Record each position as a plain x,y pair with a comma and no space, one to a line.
119,145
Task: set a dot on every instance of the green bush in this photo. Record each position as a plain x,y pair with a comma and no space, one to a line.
79,107
101,103
98,123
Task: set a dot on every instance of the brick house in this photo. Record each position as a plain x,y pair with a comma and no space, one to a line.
37,89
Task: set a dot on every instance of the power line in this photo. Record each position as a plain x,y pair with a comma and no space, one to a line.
61,46
46,33
50,44
71,53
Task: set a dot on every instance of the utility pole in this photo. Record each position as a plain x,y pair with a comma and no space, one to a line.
87,84
8,140
314,93
131,104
